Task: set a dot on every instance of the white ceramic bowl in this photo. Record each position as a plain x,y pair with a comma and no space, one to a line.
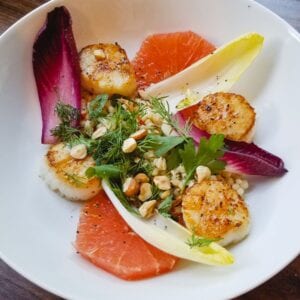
37,227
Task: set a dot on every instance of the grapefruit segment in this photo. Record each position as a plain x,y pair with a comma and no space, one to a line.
105,239
163,55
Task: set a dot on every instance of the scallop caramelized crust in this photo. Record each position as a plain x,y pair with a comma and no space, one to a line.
105,69
226,113
66,175
212,209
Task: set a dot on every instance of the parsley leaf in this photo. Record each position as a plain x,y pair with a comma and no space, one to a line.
160,144
208,154
195,241
173,159
96,106
188,156
165,206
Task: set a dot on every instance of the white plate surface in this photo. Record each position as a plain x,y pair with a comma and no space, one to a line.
37,227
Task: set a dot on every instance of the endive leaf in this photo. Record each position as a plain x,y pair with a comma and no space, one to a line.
214,73
170,237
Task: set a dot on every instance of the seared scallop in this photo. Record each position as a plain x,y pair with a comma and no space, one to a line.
105,69
212,209
226,113
66,175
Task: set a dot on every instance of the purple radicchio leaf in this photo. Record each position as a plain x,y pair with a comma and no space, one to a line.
241,157
56,69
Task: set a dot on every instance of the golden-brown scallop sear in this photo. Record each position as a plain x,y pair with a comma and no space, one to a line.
66,175
212,209
105,69
226,113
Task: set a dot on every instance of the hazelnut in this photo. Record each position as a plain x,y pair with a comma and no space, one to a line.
100,131
162,182
202,172
145,191
140,134
147,208
130,187
79,151
141,178
129,145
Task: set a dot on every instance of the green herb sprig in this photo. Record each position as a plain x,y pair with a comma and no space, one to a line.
163,109
165,207
160,144
196,241
208,154
95,107
68,115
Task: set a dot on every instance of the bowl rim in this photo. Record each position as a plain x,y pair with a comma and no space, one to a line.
38,282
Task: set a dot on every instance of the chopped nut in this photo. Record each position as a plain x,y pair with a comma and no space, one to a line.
230,181
202,172
156,119
149,124
162,182
129,145
141,178
100,131
165,194
87,127
156,131
79,151
238,181
244,184
177,191
149,154
148,112
177,182
240,191
167,129
179,172
155,172
160,163
191,183
127,104
131,187
145,191
147,209
136,160
111,109
235,186
140,134
99,54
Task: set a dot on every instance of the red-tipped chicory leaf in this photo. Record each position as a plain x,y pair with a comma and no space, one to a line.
241,157
56,68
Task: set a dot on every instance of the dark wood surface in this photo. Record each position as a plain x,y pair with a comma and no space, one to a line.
285,285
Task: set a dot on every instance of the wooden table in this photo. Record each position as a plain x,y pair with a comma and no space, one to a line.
285,285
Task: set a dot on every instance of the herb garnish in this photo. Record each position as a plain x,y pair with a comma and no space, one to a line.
160,144
165,207
163,109
96,106
68,115
195,241
103,171
208,154
173,158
